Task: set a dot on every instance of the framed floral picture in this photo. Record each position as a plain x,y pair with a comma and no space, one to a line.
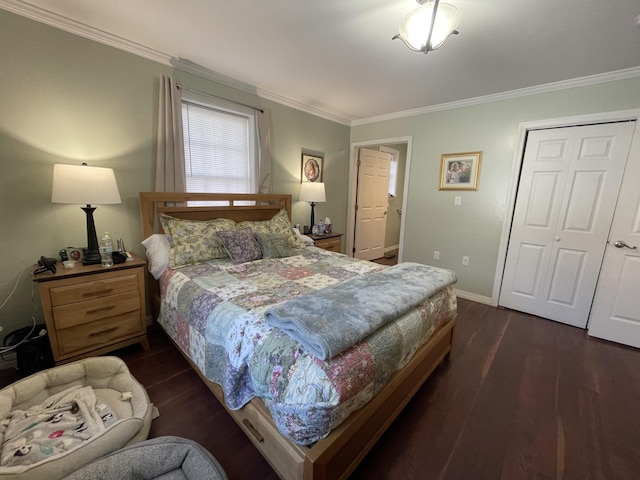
311,168
460,171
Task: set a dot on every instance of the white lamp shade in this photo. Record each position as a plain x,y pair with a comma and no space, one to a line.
312,192
84,185
414,28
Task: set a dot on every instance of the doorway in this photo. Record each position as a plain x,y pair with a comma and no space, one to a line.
397,205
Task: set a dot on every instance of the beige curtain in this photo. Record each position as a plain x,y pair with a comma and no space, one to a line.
263,122
170,173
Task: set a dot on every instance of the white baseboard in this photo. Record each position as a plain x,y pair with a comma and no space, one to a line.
391,248
474,297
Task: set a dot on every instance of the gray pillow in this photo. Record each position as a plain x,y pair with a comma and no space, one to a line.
274,245
241,245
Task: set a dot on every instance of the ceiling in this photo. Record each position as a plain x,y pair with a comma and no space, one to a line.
336,57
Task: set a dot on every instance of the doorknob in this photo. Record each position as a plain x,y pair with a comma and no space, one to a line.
621,244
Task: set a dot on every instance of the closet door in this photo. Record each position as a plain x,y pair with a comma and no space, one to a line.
567,195
615,314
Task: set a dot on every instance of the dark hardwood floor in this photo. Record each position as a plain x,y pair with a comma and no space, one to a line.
520,398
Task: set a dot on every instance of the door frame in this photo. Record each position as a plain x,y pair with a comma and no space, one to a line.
523,129
353,181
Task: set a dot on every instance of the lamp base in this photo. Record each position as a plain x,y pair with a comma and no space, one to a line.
91,258
313,215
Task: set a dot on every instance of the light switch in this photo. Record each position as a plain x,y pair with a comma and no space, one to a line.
458,200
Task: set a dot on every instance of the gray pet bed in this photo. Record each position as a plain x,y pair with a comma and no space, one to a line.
166,458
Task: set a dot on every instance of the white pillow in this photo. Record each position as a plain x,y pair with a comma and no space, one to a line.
308,241
158,247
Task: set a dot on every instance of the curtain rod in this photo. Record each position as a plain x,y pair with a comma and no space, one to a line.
219,98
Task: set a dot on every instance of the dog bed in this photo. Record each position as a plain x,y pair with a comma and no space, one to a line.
167,458
110,408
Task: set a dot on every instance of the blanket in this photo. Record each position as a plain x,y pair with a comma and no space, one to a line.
329,321
61,423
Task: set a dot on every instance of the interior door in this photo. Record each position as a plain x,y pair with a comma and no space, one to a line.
372,198
567,195
615,314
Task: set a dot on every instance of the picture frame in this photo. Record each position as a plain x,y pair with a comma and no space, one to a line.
460,171
311,168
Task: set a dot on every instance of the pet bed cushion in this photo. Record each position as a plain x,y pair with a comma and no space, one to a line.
168,458
112,383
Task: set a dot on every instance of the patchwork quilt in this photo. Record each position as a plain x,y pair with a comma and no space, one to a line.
215,313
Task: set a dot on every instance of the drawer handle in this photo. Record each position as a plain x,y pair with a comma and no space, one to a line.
102,309
253,430
99,292
102,332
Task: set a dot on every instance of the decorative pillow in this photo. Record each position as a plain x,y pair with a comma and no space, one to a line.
241,245
195,241
279,223
158,247
273,245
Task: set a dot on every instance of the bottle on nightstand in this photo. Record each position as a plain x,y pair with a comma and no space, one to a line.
106,250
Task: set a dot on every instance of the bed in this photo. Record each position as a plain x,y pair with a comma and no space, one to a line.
329,428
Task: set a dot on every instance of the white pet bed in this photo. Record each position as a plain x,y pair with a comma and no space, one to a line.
112,383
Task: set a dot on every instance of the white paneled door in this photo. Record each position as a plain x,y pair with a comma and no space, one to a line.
615,314
372,203
567,196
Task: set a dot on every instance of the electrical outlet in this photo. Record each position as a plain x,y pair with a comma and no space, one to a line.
465,260
458,200
436,255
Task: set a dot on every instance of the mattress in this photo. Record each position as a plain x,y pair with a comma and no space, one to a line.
215,314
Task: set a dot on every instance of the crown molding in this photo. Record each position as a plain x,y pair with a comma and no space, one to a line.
522,92
302,107
37,14
63,23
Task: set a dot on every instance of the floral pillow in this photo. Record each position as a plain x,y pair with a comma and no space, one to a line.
195,241
279,223
241,245
274,245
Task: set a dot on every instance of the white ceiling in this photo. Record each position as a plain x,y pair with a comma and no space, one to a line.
336,57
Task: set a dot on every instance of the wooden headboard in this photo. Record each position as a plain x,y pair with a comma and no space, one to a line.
234,206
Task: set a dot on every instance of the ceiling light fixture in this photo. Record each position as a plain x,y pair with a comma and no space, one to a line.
428,26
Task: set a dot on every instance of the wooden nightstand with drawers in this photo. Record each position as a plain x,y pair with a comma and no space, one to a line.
91,309
329,241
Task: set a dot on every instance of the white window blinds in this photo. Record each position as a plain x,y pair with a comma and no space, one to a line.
219,149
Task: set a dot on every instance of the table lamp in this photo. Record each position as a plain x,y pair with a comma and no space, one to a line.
312,192
81,184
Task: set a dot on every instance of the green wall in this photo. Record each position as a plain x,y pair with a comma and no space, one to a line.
67,99
474,228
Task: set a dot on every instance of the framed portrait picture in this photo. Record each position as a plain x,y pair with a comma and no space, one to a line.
460,171
311,168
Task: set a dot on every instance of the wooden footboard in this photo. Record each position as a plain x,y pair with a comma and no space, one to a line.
337,456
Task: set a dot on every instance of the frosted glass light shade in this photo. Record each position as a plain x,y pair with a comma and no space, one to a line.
414,28
312,192
84,185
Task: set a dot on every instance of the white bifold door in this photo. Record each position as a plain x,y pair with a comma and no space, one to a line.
566,200
615,314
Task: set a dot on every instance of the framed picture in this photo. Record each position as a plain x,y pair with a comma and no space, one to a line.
311,168
460,171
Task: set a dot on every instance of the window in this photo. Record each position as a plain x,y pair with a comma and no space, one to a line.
219,147
393,169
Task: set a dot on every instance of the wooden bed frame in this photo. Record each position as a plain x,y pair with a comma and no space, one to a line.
337,455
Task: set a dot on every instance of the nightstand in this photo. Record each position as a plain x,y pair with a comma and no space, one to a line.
330,241
91,309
